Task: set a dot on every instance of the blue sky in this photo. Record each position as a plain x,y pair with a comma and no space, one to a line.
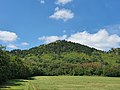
28,23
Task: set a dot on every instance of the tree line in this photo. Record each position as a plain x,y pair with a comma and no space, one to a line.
58,58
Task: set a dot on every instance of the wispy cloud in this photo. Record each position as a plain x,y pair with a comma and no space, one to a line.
64,14
11,46
64,31
63,2
42,1
48,39
24,43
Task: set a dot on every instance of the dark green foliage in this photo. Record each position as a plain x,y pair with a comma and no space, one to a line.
4,66
12,67
55,48
112,70
58,58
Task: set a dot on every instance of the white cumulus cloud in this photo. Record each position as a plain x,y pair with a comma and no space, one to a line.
101,40
63,2
48,39
11,46
64,14
24,43
7,36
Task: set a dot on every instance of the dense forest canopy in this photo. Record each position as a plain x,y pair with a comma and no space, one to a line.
58,58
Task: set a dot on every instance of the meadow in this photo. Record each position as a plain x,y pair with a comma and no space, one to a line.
64,83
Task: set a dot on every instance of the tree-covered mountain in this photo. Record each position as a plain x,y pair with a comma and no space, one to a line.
56,47
58,58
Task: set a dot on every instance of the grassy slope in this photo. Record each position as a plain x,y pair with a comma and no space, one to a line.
67,83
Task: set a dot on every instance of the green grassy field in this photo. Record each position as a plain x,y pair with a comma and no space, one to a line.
64,83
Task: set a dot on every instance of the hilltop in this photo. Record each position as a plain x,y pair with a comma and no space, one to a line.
57,47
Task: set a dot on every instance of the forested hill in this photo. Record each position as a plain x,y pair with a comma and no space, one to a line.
67,51
58,58
56,47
